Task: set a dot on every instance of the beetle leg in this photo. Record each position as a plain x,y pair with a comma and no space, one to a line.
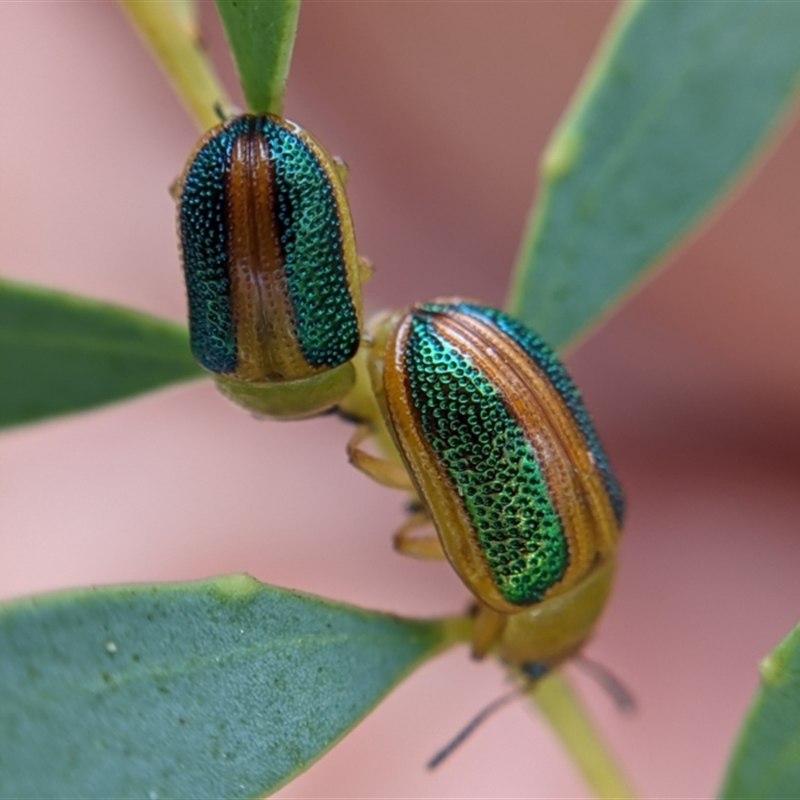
395,477
379,469
427,548
175,188
489,626
366,269
341,168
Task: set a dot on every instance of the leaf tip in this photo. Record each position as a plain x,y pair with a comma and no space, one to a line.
561,154
772,669
237,587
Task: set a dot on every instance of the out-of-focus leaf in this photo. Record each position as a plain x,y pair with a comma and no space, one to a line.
261,37
62,353
766,759
171,32
679,98
220,688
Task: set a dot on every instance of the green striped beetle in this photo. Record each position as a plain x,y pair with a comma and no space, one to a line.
507,465
272,274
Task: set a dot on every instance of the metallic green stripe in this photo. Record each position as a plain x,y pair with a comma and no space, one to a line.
547,361
489,462
203,223
307,219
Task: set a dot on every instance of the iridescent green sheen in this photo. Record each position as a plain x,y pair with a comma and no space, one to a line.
307,216
203,223
307,223
549,363
489,462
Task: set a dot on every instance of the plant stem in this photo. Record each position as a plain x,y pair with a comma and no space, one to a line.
555,699
457,630
174,40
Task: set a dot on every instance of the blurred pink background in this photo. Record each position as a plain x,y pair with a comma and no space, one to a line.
441,110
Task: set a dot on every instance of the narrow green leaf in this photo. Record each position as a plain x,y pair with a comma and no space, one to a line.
680,95
766,758
62,353
170,31
261,37
220,688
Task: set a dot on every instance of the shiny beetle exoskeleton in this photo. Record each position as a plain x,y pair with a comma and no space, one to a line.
272,273
508,467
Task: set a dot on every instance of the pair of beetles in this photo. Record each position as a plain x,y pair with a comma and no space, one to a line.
474,414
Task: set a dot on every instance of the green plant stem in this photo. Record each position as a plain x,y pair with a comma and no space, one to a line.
457,630
174,41
555,699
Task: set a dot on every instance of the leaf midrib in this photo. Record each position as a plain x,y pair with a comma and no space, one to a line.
89,345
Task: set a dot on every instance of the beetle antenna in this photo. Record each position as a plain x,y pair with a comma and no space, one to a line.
602,675
477,720
220,111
